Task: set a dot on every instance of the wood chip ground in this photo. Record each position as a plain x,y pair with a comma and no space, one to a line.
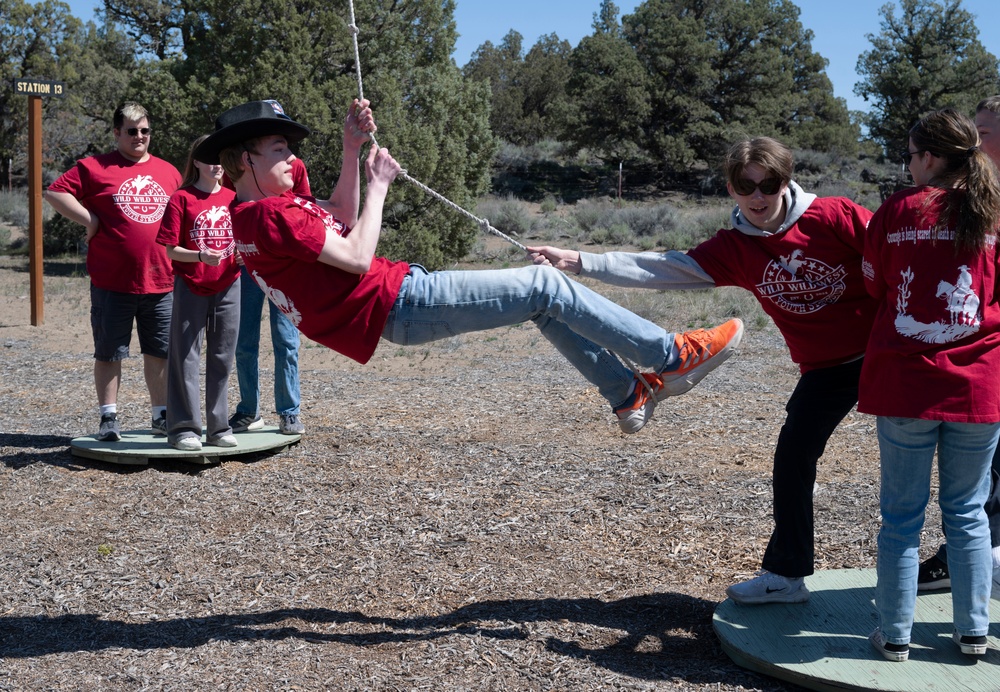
459,516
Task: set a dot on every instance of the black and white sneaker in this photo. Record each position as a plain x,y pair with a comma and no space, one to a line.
111,428
890,652
241,422
768,587
971,646
159,426
933,575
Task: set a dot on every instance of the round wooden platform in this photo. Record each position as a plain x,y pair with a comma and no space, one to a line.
823,644
137,447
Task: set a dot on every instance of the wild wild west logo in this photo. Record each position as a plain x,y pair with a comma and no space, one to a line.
801,285
142,199
213,230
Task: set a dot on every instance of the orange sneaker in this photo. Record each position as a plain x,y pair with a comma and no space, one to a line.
638,408
700,352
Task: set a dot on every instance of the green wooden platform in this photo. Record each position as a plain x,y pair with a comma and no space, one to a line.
823,644
137,447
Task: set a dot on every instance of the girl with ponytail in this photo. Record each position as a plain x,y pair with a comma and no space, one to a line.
931,372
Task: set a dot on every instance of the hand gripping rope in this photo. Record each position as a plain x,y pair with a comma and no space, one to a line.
484,224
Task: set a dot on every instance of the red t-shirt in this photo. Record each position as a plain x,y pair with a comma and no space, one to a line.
128,199
198,220
807,278
280,239
934,351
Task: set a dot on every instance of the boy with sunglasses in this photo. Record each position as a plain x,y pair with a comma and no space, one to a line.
800,255
120,197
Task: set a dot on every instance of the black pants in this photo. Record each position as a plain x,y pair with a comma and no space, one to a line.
821,399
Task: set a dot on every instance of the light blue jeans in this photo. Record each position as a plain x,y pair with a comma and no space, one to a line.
965,451
584,326
285,341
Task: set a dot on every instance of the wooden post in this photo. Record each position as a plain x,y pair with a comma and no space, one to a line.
35,209
35,89
619,184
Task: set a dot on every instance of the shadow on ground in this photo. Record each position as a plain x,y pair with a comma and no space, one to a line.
656,630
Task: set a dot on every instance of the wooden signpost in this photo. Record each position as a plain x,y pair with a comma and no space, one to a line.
35,89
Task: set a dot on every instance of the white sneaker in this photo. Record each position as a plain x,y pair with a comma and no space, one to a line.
768,587
225,441
187,444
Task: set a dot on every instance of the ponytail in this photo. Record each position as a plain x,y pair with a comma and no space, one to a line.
969,180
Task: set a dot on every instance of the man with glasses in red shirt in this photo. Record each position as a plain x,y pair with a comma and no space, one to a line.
120,197
800,255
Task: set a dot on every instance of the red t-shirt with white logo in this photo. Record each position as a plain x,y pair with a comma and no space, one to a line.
199,220
935,347
280,239
128,199
807,278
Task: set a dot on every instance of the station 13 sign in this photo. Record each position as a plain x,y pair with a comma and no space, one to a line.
39,87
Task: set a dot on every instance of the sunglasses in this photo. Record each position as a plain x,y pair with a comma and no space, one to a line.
907,155
767,186
133,131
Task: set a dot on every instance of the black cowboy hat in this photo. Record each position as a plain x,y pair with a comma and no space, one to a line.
248,121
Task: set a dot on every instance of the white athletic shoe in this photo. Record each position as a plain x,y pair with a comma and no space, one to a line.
768,587
187,444
225,441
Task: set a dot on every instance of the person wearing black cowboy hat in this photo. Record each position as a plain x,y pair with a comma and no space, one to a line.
315,260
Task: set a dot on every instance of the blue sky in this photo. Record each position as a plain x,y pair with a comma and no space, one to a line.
840,27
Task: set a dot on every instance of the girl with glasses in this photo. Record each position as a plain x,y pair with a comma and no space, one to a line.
800,255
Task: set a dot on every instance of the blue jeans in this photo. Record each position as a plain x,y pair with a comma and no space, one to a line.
582,324
284,339
965,450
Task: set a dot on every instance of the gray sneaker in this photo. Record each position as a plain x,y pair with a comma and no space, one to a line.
241,422
290,424
159,426
111,428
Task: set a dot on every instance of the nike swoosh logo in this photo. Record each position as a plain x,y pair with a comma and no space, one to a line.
770,590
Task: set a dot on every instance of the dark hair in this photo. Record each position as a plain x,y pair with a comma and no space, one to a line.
191,173
129,111
770,154
969,178
231,157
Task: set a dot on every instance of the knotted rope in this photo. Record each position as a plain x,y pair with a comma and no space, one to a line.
484,224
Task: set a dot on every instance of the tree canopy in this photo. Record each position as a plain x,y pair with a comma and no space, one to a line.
927,57
670,85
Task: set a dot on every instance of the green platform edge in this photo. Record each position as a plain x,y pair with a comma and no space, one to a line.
823,644
138,447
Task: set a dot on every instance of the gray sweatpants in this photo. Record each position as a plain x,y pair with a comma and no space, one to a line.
215,318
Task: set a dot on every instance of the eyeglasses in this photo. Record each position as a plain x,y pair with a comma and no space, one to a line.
133,131
907,155
767,186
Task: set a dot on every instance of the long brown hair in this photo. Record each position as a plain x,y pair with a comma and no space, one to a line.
969,179
190,171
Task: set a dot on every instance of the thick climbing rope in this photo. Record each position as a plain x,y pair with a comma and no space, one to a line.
484,224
